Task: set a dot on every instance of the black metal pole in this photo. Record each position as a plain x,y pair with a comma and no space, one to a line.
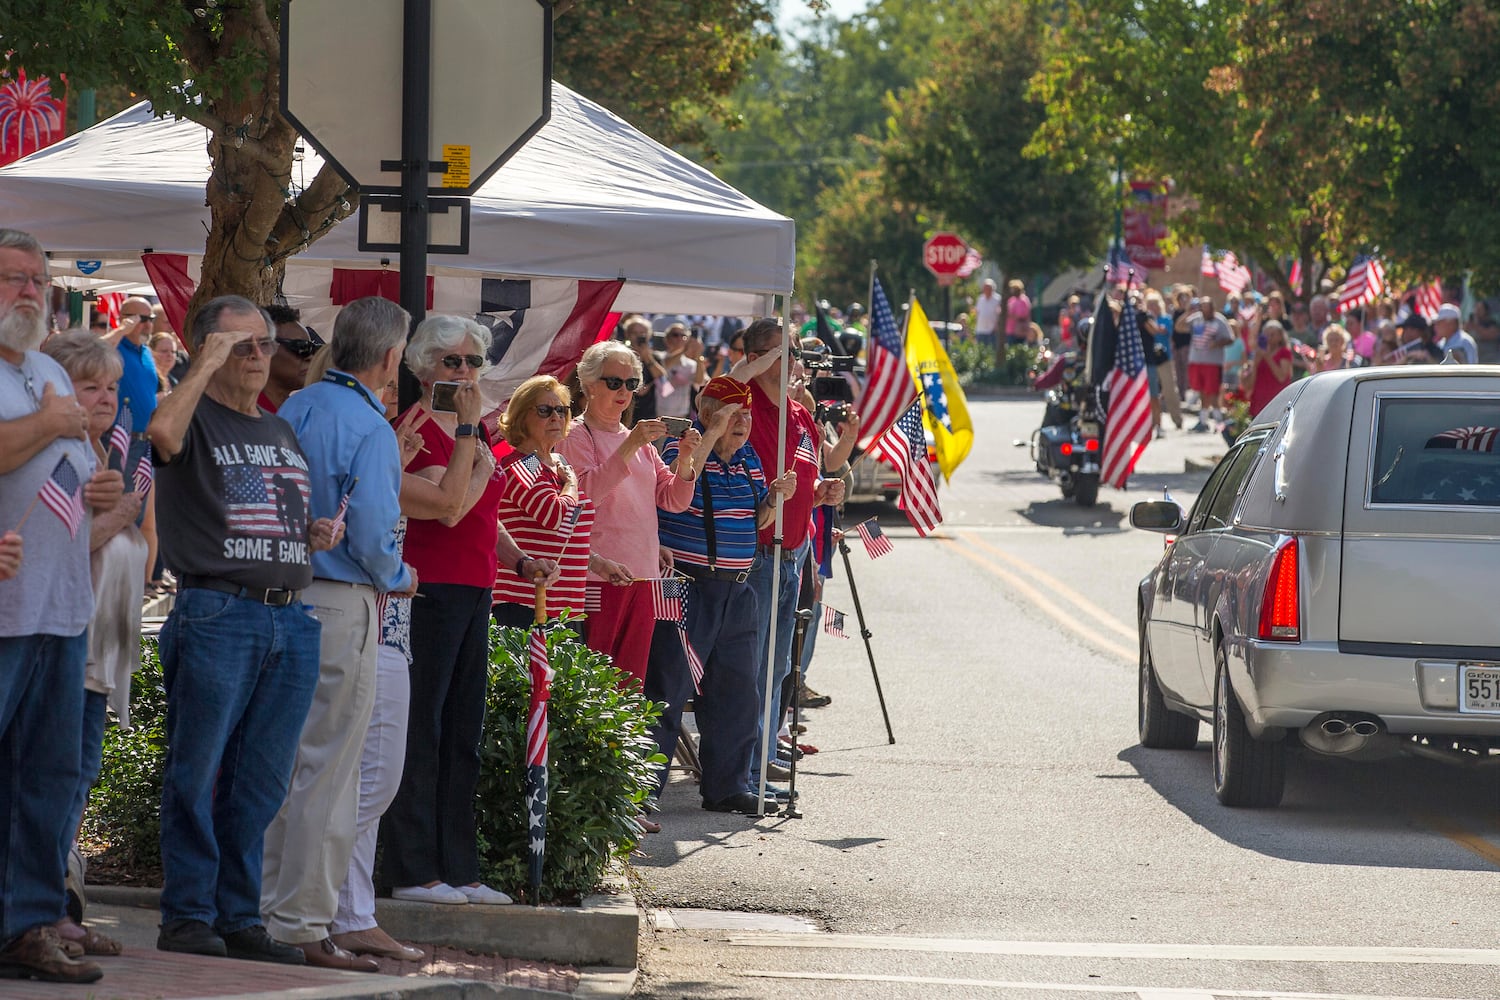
416,99
947,313
799,639
864,632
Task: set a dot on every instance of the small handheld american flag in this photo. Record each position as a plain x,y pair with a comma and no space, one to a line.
144,475
343,511
669,604
62,494
119,439
833,622
876,544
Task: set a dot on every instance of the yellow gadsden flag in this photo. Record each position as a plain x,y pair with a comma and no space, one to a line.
944,409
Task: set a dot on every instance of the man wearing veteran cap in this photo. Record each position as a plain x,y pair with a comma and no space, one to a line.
1448,331
713,542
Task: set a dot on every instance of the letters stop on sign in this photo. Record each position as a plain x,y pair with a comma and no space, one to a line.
944,253
341,72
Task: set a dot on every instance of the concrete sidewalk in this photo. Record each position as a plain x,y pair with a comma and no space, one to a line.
143,973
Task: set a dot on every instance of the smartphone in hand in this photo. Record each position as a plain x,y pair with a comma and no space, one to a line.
677,426
444,397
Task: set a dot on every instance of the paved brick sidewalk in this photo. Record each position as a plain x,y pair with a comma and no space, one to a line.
143,973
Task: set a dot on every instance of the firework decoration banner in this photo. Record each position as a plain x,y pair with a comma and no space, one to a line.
30,117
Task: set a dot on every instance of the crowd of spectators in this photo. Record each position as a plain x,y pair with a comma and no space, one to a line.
337,567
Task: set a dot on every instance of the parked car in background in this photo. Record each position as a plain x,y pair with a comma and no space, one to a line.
1333,584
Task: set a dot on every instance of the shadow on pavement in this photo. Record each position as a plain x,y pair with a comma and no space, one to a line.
1388,813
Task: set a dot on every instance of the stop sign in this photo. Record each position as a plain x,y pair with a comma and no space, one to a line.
944,253
341,70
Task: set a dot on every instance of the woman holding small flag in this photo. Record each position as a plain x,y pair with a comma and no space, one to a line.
542,506
117,560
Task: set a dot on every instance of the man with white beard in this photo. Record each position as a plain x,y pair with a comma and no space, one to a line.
48,480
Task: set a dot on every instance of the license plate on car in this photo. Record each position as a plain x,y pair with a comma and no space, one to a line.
1479,687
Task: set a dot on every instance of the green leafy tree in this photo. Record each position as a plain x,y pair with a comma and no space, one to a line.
957,147
217,62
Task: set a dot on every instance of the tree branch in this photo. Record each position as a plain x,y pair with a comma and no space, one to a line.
270,38
229,136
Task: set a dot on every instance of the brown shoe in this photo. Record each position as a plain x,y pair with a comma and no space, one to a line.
326,955
38,954
374,941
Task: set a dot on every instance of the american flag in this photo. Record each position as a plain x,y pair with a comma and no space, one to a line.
833,622
972,262
890,388
119,439
668,597
1206,264
536,759
1365,283
252,493
144,475
1127,425
669,604
1465,439
805,451
63,495
1429,300
1295,278
876,544
904,447
1119,266
1234,277
343,511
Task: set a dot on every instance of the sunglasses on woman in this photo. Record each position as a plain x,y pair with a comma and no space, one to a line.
547,412
457,361
613,383
301,348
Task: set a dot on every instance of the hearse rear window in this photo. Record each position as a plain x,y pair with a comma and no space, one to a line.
1437,451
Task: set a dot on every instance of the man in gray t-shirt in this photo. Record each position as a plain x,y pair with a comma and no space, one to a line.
48,485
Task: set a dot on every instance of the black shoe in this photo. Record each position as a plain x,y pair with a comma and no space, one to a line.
255,945
745,803
191,937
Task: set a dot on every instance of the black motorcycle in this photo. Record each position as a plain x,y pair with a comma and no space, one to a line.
1066,447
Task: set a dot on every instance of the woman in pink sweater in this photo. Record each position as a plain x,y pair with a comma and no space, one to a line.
627,480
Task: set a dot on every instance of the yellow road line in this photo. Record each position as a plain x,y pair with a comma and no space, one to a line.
1062,589
1043,602
1471,842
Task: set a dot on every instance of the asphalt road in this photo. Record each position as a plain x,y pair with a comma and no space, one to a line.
1015,841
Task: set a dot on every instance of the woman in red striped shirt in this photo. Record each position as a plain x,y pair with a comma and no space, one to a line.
542,506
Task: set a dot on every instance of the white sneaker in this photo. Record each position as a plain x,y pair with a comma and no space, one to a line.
484,895
440,893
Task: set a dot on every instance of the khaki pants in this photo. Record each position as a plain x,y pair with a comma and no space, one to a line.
1171,399
309,843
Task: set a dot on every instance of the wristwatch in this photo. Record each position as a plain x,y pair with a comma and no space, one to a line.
465,431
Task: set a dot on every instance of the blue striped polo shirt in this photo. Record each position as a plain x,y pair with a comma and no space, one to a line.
738,488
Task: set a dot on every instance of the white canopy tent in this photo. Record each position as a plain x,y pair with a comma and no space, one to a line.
589,197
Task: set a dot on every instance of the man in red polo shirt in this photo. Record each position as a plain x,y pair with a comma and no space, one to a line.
803,441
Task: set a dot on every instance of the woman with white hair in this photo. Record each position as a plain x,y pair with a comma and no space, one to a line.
627,480
430,852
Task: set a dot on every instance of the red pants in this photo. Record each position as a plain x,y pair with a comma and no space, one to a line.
622,626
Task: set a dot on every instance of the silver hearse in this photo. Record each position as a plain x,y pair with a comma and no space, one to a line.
1335,582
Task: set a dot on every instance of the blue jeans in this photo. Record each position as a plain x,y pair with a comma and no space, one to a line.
41,712
240,678
92,748
785,608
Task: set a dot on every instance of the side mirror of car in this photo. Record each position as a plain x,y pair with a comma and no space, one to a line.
1157,515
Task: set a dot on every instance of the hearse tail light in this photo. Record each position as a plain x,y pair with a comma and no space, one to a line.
1066,448
1092,444
1280,608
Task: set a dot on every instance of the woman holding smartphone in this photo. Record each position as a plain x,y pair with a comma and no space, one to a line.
627,481
430,852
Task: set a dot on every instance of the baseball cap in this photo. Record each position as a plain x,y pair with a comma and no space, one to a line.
1450,311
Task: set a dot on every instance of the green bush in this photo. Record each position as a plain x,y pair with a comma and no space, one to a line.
124,812
974,363
602,765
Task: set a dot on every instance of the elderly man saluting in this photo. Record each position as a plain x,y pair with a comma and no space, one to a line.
713,543
239,652
46,601
355,462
